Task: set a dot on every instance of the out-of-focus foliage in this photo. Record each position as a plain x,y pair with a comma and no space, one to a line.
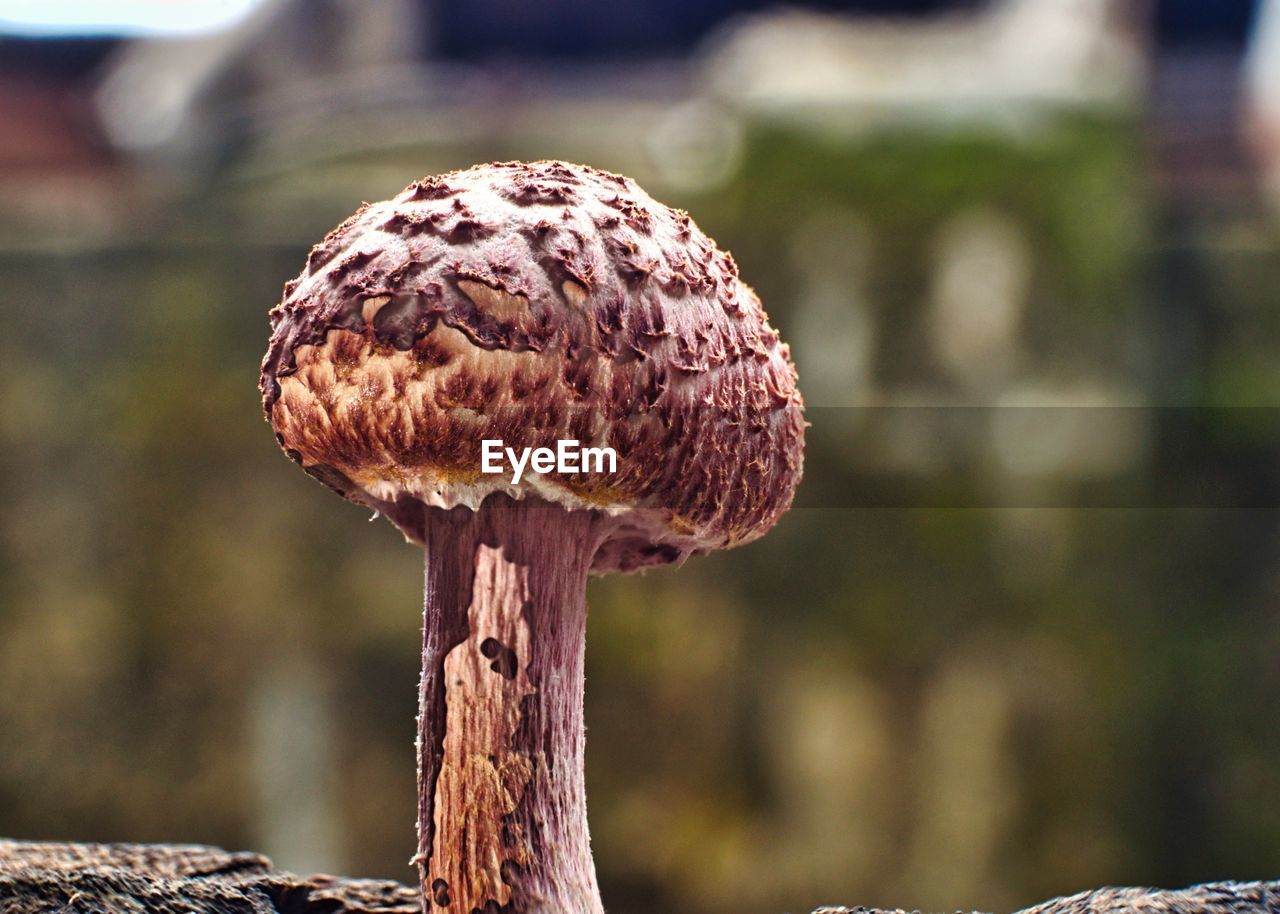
949,679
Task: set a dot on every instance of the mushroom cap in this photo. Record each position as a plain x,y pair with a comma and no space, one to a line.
532,303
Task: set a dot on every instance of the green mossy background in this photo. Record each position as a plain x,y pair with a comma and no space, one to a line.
944,684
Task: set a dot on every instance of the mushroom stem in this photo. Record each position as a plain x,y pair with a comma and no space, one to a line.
502,815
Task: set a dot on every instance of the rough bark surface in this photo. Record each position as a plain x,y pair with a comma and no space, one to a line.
1213,898
42,878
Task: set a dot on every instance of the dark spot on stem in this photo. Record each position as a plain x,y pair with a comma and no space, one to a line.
440,893
503,657
509,872
508,833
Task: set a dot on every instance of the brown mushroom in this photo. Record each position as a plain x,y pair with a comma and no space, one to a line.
531,303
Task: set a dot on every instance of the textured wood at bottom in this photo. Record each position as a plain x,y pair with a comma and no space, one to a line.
1213,898
42,878
46,878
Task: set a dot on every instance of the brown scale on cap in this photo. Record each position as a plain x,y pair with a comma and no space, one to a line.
530,303
533,302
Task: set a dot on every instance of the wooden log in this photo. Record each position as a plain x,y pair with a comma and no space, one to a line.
43,878
1212,898
48,878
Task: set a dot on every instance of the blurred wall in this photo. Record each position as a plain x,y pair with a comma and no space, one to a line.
1018,636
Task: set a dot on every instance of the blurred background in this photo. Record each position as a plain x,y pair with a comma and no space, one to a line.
1020,635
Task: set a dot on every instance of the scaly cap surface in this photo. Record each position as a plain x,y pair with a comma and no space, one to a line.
533,302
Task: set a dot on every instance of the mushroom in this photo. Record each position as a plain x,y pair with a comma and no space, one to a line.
531,304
